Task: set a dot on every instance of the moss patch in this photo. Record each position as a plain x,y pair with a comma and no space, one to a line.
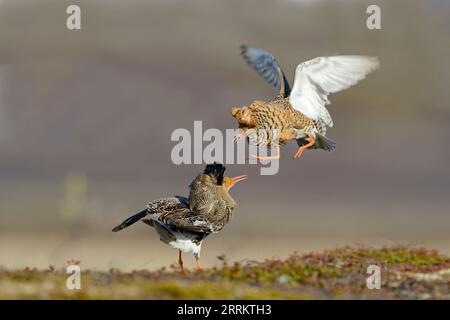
339,273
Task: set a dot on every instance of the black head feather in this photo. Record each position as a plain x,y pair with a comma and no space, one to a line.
215,170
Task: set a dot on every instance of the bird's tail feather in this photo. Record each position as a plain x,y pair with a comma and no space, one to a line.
322,142
128,222
325,143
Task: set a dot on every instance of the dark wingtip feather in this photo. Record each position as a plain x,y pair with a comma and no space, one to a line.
216,170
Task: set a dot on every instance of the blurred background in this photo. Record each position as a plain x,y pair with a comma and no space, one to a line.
86,118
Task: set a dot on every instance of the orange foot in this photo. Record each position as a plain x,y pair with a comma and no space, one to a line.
275,157
198,265
300,150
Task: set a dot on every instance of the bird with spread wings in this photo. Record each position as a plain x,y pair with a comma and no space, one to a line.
299,113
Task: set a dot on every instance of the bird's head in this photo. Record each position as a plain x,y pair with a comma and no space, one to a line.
216,172
244,116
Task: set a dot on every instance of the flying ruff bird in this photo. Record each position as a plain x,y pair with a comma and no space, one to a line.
183,223
300,113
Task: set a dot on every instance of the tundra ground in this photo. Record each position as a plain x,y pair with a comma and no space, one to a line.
406,273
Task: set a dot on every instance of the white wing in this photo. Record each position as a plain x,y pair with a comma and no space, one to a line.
317,78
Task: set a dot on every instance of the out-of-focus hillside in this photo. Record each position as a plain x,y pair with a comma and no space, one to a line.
101,103
116,89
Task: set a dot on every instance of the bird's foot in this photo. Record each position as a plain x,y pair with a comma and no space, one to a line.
300,150
276,157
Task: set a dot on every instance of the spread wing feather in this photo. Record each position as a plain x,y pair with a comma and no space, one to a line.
267,66
317,78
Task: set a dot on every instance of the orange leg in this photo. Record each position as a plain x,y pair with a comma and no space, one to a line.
275,157
180,261
300,150
198,264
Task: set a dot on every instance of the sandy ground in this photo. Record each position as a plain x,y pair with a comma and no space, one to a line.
128,251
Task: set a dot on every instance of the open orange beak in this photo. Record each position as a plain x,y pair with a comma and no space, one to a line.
236,179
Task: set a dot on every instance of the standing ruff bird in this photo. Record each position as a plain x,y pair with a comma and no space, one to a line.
183,223
299,113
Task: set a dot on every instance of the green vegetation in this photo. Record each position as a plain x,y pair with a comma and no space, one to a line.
333,274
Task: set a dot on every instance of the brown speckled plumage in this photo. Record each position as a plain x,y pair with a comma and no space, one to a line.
276,122
211,200
180,220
